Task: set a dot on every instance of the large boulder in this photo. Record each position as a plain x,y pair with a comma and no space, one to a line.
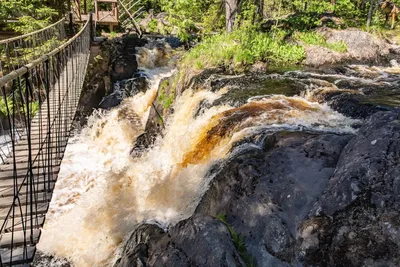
264,201
198,241
292,199
123,58
361,47
356,221
265,192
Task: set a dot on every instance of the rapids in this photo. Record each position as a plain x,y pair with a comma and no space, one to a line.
103,192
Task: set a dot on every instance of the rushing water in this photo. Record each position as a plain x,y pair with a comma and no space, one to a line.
103,192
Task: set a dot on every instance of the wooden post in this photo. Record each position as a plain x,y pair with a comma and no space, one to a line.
96,10
71,23
84,6
78,9
91,28
116,11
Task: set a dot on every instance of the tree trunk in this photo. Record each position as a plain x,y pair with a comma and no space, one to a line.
370,13
261,8
231,8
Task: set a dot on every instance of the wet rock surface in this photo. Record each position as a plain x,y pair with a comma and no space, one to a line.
124,64
288,198
113,61
151,246
293,199
356,221
123,89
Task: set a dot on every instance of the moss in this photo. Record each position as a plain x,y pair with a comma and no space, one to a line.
153,25
165,98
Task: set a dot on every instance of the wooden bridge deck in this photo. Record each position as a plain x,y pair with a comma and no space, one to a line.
44,177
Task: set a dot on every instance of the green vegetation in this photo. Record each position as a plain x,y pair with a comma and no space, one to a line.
17,107
205,16
272,31
32,15
238,241
3,106
241,48
113,34
153,25
313,38
164,98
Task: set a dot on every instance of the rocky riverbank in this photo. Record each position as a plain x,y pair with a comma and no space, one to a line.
291,199
263,168
295,198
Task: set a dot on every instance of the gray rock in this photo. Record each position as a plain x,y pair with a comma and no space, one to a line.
356,220
110,101
292,199
198,241
266,193
361,47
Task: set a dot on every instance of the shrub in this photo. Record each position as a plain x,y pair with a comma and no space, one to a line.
244,47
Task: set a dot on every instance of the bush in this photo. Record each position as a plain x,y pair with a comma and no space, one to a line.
244,47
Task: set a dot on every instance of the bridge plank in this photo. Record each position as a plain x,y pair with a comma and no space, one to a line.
19,256
41,208
21,173
23,225
41,185
19,238
41,197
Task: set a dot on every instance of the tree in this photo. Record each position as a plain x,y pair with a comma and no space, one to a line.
231,10
370,12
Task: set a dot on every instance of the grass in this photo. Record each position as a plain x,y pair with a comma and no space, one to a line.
164,98
242,48
113,35
314,38
238,241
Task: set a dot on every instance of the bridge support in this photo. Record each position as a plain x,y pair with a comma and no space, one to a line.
40,99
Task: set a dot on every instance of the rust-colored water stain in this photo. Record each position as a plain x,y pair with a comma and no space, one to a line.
222,125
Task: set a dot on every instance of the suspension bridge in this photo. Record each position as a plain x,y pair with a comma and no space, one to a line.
41,77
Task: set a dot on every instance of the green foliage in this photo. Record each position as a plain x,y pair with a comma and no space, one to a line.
113,35
153,25
28,54
208,16
166,99
34,108
183,14
242,48
27,24
32,15
18,107
314,38
238,241
348,9
3,106
305,21
214,18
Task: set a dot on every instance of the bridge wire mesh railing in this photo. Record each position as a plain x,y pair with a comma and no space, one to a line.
19,51
38,106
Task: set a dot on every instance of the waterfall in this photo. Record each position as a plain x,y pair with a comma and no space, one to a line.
103,192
